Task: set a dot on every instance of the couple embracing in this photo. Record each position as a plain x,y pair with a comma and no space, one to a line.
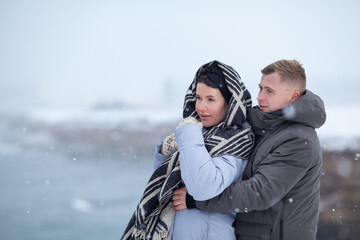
233,171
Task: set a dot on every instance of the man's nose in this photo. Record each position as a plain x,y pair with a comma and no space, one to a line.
260,96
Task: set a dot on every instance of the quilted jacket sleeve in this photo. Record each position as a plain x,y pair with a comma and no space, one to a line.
275,176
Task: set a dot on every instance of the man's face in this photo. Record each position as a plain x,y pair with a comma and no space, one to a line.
274,94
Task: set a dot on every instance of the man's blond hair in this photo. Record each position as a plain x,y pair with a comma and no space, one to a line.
291,72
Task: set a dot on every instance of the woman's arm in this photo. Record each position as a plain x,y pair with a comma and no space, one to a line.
158,157
205,177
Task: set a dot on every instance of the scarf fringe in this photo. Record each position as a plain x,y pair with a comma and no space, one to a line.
138,234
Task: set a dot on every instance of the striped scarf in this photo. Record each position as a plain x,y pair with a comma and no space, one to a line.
154,214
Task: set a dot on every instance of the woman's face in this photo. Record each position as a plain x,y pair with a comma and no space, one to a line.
210,105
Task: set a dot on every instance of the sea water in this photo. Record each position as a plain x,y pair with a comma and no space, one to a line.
45,196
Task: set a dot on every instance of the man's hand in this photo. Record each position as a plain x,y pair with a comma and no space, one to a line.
179,199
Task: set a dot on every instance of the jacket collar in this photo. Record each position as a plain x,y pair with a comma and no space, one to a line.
263,123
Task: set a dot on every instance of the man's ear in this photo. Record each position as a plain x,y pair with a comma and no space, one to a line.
295,95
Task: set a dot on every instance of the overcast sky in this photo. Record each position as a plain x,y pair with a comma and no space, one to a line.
65,54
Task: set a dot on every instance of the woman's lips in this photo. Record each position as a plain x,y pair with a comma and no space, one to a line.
205,116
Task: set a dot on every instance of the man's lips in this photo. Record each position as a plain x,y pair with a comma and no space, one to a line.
261,107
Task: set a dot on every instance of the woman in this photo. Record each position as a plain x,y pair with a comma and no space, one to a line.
211,144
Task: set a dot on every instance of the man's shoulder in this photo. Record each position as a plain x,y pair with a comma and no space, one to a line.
293,137
297,139
298,130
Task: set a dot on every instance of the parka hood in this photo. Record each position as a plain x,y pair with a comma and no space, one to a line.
309,110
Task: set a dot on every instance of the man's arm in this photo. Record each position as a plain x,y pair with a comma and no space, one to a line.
276,175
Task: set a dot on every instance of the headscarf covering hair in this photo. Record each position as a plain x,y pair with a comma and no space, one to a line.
232,82
214,73
235,123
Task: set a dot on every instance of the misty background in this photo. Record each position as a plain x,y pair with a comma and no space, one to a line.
57,55
87,87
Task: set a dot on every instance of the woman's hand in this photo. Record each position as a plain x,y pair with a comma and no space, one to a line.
179,199
169,145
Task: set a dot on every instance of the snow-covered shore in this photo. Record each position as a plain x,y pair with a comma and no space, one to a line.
341,130
134,131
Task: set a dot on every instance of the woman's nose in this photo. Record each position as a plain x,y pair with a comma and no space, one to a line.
201,106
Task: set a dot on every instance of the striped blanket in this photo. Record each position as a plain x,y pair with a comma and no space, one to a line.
153,216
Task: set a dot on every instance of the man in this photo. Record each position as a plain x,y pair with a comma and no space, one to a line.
279,195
